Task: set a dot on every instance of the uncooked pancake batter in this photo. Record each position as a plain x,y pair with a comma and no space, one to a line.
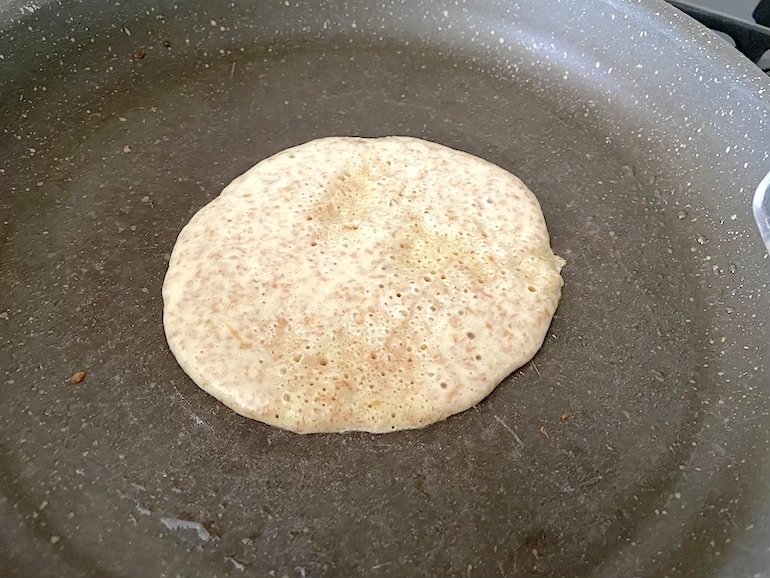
361,284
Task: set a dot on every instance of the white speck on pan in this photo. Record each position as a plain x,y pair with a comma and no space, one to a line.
177,524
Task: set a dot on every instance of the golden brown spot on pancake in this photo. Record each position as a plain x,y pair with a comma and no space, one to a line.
231,330
421,249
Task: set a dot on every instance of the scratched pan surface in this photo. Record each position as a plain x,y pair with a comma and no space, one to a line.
643,138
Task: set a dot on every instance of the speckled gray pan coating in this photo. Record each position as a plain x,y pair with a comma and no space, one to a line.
643,136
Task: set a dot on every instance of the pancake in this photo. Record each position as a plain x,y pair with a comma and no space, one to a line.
361,284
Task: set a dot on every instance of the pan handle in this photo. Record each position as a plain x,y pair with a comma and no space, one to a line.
762,209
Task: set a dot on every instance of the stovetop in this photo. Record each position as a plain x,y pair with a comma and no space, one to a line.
739,8
743,23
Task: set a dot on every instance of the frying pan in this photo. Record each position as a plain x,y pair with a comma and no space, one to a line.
643,136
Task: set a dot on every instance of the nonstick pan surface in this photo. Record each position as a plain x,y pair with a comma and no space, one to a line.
641,134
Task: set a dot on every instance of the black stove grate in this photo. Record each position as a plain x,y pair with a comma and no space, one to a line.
751,37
